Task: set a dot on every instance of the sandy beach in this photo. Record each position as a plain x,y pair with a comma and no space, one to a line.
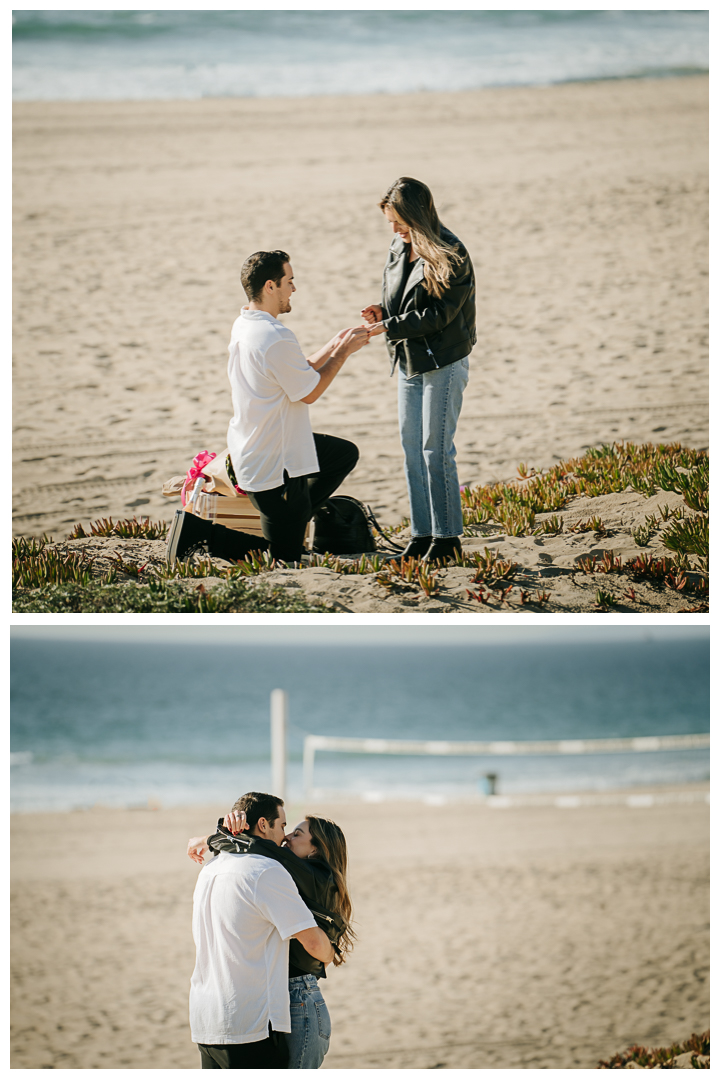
583,206
488,938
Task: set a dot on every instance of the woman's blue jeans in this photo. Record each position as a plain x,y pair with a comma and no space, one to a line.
309,1039
428,410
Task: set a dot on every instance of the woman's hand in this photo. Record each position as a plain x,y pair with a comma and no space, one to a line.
197,848
373,318
236,821
372,314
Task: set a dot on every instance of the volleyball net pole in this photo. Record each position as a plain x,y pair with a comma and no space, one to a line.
278,741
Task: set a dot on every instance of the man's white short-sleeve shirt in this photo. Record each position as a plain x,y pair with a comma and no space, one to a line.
245,910
270,431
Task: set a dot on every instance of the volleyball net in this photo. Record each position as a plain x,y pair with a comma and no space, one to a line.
415,747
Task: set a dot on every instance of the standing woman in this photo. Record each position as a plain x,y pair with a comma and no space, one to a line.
428,316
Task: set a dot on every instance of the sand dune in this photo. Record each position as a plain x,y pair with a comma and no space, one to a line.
517,938
583,206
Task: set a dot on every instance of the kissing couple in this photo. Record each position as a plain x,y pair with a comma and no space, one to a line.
270,911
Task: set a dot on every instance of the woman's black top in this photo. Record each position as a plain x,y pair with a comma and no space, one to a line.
406,268
425,331
315,883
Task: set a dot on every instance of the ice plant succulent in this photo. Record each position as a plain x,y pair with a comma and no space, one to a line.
128,529
698,1046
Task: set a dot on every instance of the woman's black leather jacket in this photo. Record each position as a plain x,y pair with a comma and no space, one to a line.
314,880
425,331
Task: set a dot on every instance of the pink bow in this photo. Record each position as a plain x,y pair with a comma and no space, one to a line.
196,470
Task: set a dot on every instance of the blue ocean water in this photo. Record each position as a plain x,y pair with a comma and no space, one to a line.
115,55
121,724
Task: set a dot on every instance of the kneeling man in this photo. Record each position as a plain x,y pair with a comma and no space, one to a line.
286,471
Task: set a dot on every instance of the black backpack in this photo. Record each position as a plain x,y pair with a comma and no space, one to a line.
342,527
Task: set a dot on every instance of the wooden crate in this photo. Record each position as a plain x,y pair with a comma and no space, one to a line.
235,512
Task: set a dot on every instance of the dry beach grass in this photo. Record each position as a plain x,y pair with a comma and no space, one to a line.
517,938
583,206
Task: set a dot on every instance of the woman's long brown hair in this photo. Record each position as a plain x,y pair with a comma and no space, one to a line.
413,203
329,840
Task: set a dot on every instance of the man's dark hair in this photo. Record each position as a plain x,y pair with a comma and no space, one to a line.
257,804
261,267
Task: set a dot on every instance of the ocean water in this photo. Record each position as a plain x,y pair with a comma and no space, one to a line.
123,724
133,55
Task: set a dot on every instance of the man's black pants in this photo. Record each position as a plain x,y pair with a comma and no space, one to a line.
286,510
270,1053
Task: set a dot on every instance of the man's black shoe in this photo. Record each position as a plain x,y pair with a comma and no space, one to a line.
447,547
189,535
417,547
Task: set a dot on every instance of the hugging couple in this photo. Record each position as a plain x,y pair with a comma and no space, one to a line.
427,314
270,911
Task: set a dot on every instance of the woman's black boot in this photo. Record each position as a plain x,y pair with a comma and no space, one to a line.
417,547
446,547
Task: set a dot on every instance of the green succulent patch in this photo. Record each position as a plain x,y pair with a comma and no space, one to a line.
135,529
689,536
602,471
662,1058
73,581
158,596
408,574
691,484
46,580
643,533
35,564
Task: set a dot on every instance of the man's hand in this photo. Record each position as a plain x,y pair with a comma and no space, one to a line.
332,356
377,328
335,341
317,943
354,339
236,821
197,848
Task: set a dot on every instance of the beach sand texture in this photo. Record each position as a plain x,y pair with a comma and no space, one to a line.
528,937
583,207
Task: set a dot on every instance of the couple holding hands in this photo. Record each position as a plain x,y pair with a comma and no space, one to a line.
427,314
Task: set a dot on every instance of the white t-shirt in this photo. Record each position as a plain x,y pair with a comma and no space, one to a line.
245,910
270,431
